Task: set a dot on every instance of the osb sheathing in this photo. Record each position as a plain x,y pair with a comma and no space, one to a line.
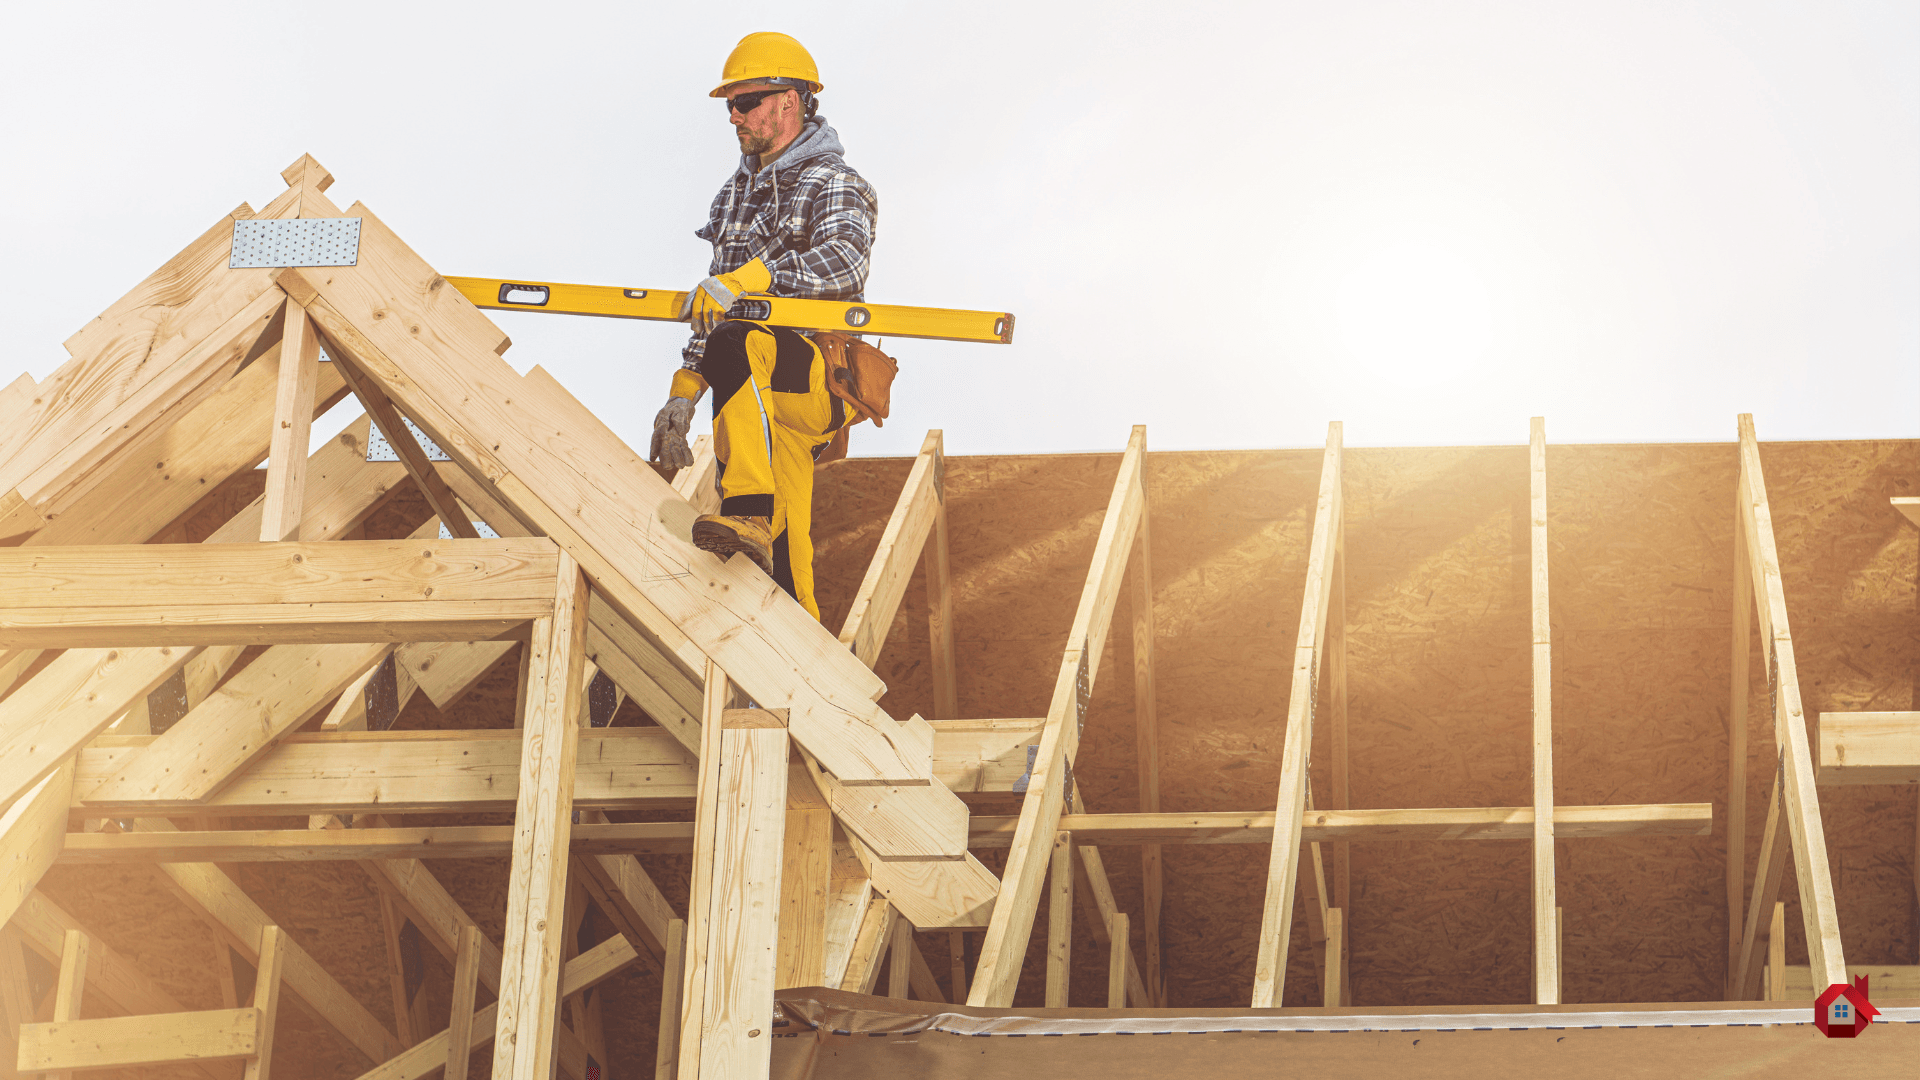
1439,713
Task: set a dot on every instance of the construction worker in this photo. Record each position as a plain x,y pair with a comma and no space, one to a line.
794,219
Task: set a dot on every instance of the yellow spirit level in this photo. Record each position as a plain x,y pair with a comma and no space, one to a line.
610,301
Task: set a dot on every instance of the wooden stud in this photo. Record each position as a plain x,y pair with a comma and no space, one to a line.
1798,794
901,543
1737,750
1118,953
806,875
72,985
1546,966
740,816
1330,985
439,496
1060,922
1003,952
466,983
900,961
32,831
666,1054
957,958
920,978
192,1038
285,497
1276,920
1101,910
876,931
1777,953
536,887
1146,732
937,568
266,999
849,892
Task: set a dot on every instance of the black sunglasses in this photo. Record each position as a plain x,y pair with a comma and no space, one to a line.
746,103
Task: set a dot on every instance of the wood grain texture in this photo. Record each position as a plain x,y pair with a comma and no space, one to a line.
543,820
31,832
139,1040
1546,947
1276,920
285,498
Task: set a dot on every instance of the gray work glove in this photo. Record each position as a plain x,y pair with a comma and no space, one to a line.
669,450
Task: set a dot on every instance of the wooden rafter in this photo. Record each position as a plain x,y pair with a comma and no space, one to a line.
1546,947
1002,953
1276,921
1796,795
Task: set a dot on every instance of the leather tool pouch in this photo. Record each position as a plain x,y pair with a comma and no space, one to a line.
860,375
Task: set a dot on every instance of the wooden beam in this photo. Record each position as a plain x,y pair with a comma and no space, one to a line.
71,701
110,405
1737,749
1868,748
1334,673
876,930
229,432
292,418
68,991
1546,954
402,771
901,542
666,1051
1276,920
1331,987
266,999
207,594
1002,953
1777,954
1118,953
938,569
1146,736
397,848
806,876
543,816
900,961
1060,922
1798,793
1467,823
58,1048
466,983
282,689
31,834
957,957
849,891
734,902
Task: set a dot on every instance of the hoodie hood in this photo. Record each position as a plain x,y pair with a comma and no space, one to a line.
816,139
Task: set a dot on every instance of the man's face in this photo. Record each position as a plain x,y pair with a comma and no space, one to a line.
760,128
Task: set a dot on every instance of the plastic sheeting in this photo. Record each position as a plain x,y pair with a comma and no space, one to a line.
831,1035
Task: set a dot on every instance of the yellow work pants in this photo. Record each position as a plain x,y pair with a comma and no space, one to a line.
771,415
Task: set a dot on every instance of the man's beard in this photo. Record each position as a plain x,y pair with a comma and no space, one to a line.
755,145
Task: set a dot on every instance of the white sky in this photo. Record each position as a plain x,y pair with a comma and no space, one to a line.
1231,222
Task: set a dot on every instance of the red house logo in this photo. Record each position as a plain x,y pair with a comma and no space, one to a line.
1843,1011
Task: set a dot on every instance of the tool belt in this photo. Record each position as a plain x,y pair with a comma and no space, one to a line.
860,375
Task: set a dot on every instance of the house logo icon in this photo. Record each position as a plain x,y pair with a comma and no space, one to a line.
1843,1011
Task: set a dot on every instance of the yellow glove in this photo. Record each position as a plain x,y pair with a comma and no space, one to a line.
707,302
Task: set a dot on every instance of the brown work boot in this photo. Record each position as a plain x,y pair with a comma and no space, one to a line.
751,536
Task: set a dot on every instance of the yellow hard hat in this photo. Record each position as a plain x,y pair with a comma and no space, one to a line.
767,55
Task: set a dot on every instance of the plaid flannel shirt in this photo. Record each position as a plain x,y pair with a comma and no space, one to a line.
808,216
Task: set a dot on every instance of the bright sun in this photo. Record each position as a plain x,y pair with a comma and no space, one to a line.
1414,314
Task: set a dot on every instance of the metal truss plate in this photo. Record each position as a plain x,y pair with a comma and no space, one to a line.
379,449
486,531
276,242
